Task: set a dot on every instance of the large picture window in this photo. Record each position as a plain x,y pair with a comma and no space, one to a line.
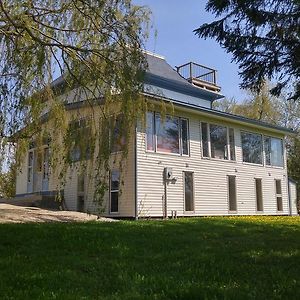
217,141
168,135
252,147
273,151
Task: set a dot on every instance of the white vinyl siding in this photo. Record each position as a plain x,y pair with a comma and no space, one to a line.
210,177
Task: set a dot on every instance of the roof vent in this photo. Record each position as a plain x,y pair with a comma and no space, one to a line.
200,76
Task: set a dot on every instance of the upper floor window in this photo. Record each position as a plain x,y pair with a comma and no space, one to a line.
168,135
273,151
117,134
252,147
79,134
217,141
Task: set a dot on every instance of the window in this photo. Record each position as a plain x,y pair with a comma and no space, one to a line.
278,194
80,192
114,191
30,167
150,131
204,132
188,191
231,192
231,144
217,141
46,163
118,136
79,133
259,196
273,151
184,136
252,147
169,135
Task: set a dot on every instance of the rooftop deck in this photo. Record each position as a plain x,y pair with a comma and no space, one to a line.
200,76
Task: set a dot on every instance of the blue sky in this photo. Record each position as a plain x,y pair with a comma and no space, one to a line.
175,21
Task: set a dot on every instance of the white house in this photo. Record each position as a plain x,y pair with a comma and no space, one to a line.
197,162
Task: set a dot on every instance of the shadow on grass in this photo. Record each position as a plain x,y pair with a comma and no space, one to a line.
202,258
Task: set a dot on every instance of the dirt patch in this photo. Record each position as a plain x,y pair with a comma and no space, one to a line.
22,214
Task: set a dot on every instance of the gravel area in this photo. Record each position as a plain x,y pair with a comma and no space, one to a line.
22,214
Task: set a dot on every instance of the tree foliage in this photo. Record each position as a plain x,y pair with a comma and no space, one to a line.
95,46
263,37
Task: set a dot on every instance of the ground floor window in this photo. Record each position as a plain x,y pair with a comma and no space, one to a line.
278,194
80,192
114,190
189,191
232,192
259,196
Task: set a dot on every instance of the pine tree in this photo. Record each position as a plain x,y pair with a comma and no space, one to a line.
264,38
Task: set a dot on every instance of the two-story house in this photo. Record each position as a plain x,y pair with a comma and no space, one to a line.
195,162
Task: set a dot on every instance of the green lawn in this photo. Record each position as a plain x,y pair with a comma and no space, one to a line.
201,258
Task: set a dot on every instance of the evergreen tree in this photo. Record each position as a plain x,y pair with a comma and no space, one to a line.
263,37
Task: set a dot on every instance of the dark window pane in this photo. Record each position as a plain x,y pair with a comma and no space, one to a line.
267,144
46,164
259,196
29,175
114,201
279,204
278,186
231,144
30,159
218,141
204,140
167,132
232,193
150,131
185,136
114,190
115,180
188,191
80,183
80,203
252,147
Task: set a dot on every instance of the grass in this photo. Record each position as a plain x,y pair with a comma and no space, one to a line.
201,258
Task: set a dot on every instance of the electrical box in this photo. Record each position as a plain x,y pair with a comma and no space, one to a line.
168,173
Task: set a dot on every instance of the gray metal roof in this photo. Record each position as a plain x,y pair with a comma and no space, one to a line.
229,116
161,74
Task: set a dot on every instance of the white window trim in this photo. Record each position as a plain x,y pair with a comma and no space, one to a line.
228,199
114,191
262,195
278,195
193,178
154,113
262,150
209,143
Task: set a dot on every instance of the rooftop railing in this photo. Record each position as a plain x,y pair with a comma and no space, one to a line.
199,75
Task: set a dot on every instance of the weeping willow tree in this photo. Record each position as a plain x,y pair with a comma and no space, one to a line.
94,48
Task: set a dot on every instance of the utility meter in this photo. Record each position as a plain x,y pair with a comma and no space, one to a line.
168,172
